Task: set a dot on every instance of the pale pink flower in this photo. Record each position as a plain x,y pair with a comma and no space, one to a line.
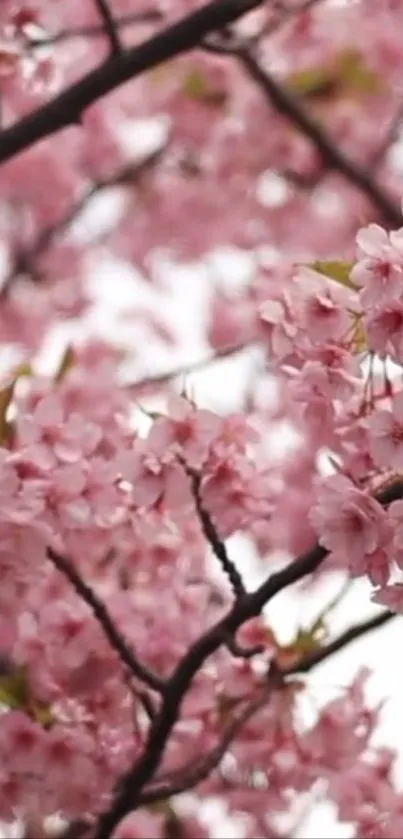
348,521
48,436
156,478
281,326
386,435
384,329
390,596
379,270
187,431
322,307
21,741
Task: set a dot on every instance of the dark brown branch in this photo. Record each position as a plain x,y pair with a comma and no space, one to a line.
286,104
103,617
193,774
110,28
67,108
351,634
95,31
212,537
250,605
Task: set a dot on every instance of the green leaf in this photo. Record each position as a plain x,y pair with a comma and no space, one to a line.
345,75
354,74
6,396
337,271
66,363
311,82
196,86
15,694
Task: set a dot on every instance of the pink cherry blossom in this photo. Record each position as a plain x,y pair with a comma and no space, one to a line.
347,520
386,435
380,264
384,329
186,431
129,648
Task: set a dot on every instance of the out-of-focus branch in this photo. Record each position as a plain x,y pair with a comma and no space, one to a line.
391,136
157,379
98,608
95,31
127,175
67,108
110,27
286,104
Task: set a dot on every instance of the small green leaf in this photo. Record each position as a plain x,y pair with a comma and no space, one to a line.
6,396
354,74
311,82
66,363
337,271
346,74
196,86
15,694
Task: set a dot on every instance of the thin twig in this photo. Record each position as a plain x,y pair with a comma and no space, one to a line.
190,775
210,532
67,108
128,174
155,379
110,27
103,617
351,634
194,772
290,107
95,31
132,783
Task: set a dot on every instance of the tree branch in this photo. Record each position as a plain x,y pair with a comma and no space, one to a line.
154,380
288,105
103,617
212,537
250,605
110,28
126,175
67,108
95,31
192,774
351,634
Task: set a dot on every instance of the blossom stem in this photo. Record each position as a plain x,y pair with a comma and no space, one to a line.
103,617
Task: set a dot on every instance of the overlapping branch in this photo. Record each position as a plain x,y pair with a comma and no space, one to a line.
132,784
110,27
67,108
194,773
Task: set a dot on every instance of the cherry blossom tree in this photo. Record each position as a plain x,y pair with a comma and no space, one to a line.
141,675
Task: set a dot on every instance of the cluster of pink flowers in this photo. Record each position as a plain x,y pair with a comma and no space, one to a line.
117,500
